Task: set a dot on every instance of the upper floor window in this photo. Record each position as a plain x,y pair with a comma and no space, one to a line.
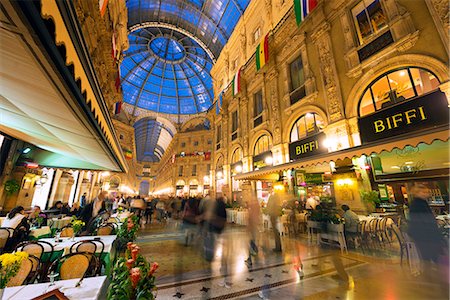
234,125
396,86
183,144
298,90
369,19
209,142
307,124
235,63
208,169
258,109
237,156
256,35
180,171
195,143
194,170
262,145
121,136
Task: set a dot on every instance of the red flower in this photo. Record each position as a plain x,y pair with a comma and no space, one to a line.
153,269
135,275
134,253
129,245
130,263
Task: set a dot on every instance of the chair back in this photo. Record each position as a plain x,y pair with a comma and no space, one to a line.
72,266
5,234
87,246
66,232
24,270
398,234
105,230
35,262
361,227
32,248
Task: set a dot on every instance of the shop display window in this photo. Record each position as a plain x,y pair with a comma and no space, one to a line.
396,86
262,145
369,19
307,124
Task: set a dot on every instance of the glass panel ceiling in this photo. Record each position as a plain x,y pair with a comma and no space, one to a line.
152,139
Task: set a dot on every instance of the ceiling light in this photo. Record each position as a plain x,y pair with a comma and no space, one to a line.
238,169
395,167
409,163
26,150
268,160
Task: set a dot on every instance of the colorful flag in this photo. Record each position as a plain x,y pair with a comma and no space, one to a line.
262,53
128,154
102,5
207,155
236,83
117,107
303,8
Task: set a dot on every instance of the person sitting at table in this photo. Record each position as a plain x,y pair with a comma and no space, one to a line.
65,210
57,207
93,209
351,222
36,213
75,210
17,220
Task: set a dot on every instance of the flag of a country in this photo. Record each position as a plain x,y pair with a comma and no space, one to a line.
262,53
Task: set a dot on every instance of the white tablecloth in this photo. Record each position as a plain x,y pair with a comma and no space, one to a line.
60,223
37,232
66,243
121,216
90,289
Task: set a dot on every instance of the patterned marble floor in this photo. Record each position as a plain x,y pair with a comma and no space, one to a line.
185,274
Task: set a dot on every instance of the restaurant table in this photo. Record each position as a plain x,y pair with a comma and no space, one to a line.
90,289
63,248
121,216
56,223
38,233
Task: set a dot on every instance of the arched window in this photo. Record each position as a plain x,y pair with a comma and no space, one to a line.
262,145
396,86
237,156
307,124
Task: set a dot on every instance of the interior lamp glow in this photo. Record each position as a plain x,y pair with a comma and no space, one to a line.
206,178
26,150
43,179
345,181
104,174
219,174
268,160
238,169
278,187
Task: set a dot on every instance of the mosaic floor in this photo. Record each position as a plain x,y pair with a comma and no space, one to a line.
185,274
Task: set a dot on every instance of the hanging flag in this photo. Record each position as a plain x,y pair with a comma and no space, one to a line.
303,8
114,47
128,154
262,53
117,107
207,155
102,5
237,82
117,81
219,103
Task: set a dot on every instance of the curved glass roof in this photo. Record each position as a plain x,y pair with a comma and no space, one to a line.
173,45
152,138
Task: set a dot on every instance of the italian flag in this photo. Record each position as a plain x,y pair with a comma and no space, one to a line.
262,53
303,8
102,5
117,107
128,154
237,82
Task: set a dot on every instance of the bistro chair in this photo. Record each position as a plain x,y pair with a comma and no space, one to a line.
31,247
5,234
71,266
66,231
25,269
89,247
105,229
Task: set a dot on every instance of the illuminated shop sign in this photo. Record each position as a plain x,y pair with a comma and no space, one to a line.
421,113
309,146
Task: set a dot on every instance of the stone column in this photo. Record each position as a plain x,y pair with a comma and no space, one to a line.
271,88
321,38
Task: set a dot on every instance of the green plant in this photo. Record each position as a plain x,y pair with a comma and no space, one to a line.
77,225
127,232
370,198
11,187
132,277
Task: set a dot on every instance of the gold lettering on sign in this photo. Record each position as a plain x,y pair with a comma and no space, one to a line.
394,121
306,147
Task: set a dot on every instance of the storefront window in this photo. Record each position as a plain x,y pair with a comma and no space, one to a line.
307,124
262,145
396,86
369,19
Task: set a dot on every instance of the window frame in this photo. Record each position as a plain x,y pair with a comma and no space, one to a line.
218,136
194,170
368,39
180,171
316,128
377,79
234,124
258,118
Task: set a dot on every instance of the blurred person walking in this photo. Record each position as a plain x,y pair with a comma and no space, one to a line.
254,219
274,210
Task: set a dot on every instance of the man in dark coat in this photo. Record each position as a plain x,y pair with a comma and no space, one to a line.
93,209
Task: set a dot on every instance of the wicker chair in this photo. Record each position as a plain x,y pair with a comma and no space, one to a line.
5,234
105,230
24,272
71,266
31,247
89,247
66,231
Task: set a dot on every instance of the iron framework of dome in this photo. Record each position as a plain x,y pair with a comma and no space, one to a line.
173,45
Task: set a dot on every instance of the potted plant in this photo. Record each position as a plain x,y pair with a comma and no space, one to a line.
11,187
133,277
77,226
127,232
370,200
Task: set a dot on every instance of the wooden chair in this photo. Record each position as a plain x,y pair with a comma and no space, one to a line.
89,247
31,247
66,231
71,266
25,269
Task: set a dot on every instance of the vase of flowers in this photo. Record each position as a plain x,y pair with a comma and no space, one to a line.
9,266
77,226
133,276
